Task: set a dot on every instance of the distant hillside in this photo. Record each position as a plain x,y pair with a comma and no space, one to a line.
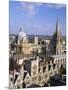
47,37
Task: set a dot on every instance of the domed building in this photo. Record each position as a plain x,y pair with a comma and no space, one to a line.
24,47
22,37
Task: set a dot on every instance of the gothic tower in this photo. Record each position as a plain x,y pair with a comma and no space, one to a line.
56,41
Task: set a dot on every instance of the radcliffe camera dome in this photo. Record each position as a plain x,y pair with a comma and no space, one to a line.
22,36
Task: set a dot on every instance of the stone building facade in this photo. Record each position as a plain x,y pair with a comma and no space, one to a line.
38,71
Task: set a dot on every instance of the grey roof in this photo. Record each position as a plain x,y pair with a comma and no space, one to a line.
27,66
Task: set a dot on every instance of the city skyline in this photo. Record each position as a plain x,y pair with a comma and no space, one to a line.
36,18
37,45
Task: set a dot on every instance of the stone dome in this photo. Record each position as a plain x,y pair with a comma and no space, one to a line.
22,36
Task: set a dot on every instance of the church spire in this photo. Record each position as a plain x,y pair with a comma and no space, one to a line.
56,40
58,26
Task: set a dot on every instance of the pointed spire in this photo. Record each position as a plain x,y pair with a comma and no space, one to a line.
57,26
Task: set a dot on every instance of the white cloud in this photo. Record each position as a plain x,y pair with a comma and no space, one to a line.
57,6
31,8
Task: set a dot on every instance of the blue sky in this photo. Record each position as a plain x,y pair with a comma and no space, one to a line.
36,18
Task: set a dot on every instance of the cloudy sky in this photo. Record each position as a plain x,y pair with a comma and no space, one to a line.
36,18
